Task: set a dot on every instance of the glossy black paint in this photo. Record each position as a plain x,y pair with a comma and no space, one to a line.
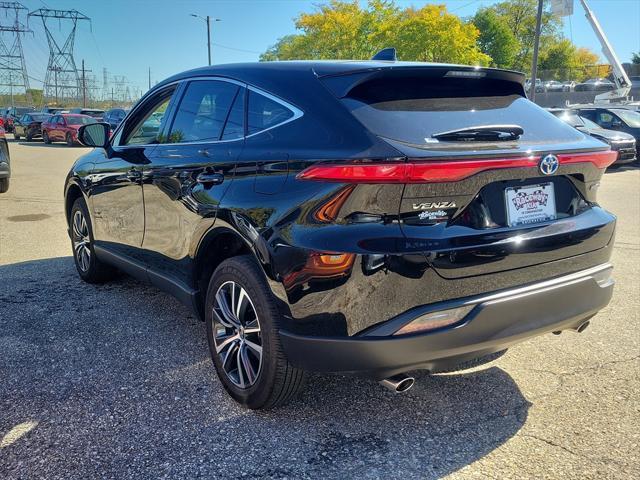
152,216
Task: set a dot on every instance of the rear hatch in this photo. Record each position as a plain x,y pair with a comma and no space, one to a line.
476,200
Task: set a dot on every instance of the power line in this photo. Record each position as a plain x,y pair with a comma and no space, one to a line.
234,48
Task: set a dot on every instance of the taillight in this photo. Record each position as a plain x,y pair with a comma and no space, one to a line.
450,170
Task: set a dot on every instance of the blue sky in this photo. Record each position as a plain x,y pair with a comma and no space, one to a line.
129,36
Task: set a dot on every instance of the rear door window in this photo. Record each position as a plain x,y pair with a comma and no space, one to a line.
203,111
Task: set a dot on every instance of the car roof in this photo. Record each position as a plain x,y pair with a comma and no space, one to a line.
319,68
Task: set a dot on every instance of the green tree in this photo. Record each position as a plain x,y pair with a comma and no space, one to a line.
520,17
496,38
345,30
635,58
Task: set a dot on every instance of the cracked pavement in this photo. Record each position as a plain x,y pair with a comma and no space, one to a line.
115,381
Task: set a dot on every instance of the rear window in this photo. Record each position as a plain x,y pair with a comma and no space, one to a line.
411,110
80,120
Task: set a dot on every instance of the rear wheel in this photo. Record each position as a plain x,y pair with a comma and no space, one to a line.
16,137
4,185
28,137
89,268
69,140
45,138
242,329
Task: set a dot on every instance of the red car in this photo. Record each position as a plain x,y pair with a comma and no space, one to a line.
64,128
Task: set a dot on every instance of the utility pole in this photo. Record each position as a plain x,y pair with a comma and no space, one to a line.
149,78
13,70
55,70
111,97
208,20
61,53
209,38
536,45
84,88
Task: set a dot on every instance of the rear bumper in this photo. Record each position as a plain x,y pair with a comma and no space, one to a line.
498,320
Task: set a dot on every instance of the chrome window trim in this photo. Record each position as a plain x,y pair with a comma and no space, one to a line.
297,113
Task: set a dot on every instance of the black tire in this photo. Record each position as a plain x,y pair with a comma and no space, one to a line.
4,185
90,269
16,137
69,139
28,137
277,381
45,138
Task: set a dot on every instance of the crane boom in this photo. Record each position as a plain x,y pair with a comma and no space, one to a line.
620,78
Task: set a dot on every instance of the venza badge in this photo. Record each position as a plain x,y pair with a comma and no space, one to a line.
549,164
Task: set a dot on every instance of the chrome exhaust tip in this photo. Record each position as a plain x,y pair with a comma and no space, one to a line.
398,383
583,327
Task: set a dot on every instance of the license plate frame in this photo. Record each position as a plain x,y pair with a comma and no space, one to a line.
530,204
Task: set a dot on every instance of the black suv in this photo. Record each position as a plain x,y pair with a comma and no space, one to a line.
369,218
614,117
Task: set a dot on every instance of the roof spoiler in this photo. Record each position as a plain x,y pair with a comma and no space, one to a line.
386,54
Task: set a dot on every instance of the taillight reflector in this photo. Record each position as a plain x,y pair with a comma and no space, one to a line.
452,170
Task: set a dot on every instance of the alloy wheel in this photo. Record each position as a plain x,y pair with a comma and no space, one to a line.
236,333
81,241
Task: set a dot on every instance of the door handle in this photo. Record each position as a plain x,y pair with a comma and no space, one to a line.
209,178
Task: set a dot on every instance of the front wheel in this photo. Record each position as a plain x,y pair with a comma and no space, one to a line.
4,185
90,269
16,137
45,138
242,329
69,140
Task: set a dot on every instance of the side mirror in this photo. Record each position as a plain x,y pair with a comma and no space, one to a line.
94,135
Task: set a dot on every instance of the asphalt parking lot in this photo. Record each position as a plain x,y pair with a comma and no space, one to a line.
115,381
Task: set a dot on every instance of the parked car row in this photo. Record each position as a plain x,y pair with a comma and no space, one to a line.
621,142
55,124
591,85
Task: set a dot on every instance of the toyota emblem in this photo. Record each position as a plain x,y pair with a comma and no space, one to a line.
549,164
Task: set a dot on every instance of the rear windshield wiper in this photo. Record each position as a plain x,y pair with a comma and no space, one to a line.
481,133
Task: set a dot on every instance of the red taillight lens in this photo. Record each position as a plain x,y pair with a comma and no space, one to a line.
415,171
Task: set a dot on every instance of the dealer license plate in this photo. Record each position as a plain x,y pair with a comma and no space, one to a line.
530,204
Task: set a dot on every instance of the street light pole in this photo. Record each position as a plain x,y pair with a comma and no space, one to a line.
536,45
208,20
209,38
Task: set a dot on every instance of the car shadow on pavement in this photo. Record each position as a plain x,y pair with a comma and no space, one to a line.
115,380
40,143
623,168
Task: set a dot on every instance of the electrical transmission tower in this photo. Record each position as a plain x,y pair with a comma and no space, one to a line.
62,79
13,71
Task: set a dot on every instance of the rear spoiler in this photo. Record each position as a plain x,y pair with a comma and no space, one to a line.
341,84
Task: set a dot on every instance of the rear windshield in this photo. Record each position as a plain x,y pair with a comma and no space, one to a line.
40,117
412,110
80,120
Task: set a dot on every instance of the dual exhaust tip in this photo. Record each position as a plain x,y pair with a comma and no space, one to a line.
398,383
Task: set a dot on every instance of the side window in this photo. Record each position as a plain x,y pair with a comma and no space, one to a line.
25,119
203,111
605,118
145,127
265,113
234,127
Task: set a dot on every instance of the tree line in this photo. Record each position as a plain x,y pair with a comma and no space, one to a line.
500,35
